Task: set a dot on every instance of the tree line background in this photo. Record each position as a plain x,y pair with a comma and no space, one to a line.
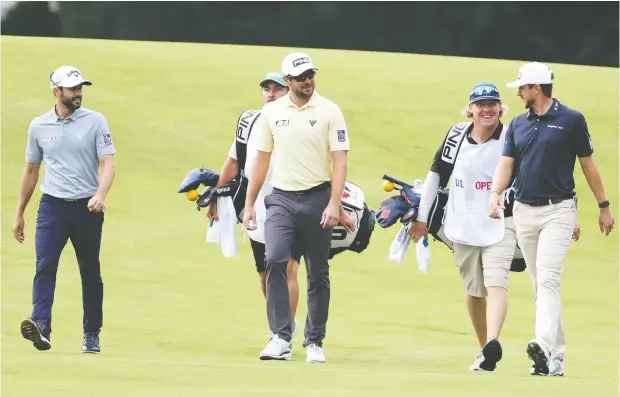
565,32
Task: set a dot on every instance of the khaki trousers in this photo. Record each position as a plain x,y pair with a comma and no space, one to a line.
544,234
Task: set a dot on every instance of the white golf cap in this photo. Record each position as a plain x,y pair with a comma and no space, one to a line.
296,63
67,76
533,73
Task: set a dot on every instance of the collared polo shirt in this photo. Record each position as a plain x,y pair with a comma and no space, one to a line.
545,149
69,150
302,139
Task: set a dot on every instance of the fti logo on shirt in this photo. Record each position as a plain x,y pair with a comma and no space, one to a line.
281,123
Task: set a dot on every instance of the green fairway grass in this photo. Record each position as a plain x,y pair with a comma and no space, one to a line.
182,321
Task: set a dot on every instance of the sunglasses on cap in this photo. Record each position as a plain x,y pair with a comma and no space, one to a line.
308,74
484,92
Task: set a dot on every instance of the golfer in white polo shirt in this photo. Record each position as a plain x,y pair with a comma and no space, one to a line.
309,138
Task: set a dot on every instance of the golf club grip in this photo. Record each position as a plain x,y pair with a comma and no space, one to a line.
395,181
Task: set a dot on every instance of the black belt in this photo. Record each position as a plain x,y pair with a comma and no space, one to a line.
66,200
542,203
317,188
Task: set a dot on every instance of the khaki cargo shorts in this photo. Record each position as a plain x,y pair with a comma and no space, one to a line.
483,267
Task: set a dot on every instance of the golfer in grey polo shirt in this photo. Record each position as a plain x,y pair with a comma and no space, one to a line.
72,142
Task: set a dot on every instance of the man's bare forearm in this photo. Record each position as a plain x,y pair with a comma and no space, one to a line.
503,174
229,171
30,177
593,177
259,174
107,176
339,176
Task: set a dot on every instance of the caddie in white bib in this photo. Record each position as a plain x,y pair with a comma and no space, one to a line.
466,217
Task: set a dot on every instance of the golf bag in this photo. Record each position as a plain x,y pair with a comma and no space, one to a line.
404,208
352,201
364,217
204,176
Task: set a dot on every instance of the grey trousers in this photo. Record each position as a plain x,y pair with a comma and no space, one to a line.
297,217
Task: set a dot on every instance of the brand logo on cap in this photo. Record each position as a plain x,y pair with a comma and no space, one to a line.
300,61
74,72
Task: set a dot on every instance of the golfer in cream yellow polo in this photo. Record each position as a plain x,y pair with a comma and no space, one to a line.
309,140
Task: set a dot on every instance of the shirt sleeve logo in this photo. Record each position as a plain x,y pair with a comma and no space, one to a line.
342,136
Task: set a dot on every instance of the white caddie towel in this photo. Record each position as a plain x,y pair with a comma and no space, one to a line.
399,246
223,232
423,254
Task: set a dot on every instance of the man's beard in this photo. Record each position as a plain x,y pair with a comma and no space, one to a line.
301,94
68,102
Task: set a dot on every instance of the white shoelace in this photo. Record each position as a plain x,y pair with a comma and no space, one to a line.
315,349
274,339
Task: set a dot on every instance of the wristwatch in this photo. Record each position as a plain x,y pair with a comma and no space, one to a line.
604,204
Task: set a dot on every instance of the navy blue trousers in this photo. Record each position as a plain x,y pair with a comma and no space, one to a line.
57,222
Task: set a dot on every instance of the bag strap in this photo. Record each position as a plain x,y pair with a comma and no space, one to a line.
244,128
452,144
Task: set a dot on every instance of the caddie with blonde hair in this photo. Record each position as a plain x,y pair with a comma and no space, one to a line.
484,248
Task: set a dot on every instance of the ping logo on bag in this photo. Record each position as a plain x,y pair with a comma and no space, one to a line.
453,142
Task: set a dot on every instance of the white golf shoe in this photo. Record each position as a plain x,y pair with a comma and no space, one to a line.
276,349
556,367
476,365
314,354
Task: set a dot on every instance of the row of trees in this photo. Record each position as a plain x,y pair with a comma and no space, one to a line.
567,32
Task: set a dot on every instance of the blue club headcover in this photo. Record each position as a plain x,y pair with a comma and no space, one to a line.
412,198
198,176
391,210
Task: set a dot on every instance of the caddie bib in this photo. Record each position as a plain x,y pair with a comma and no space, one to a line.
466,218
